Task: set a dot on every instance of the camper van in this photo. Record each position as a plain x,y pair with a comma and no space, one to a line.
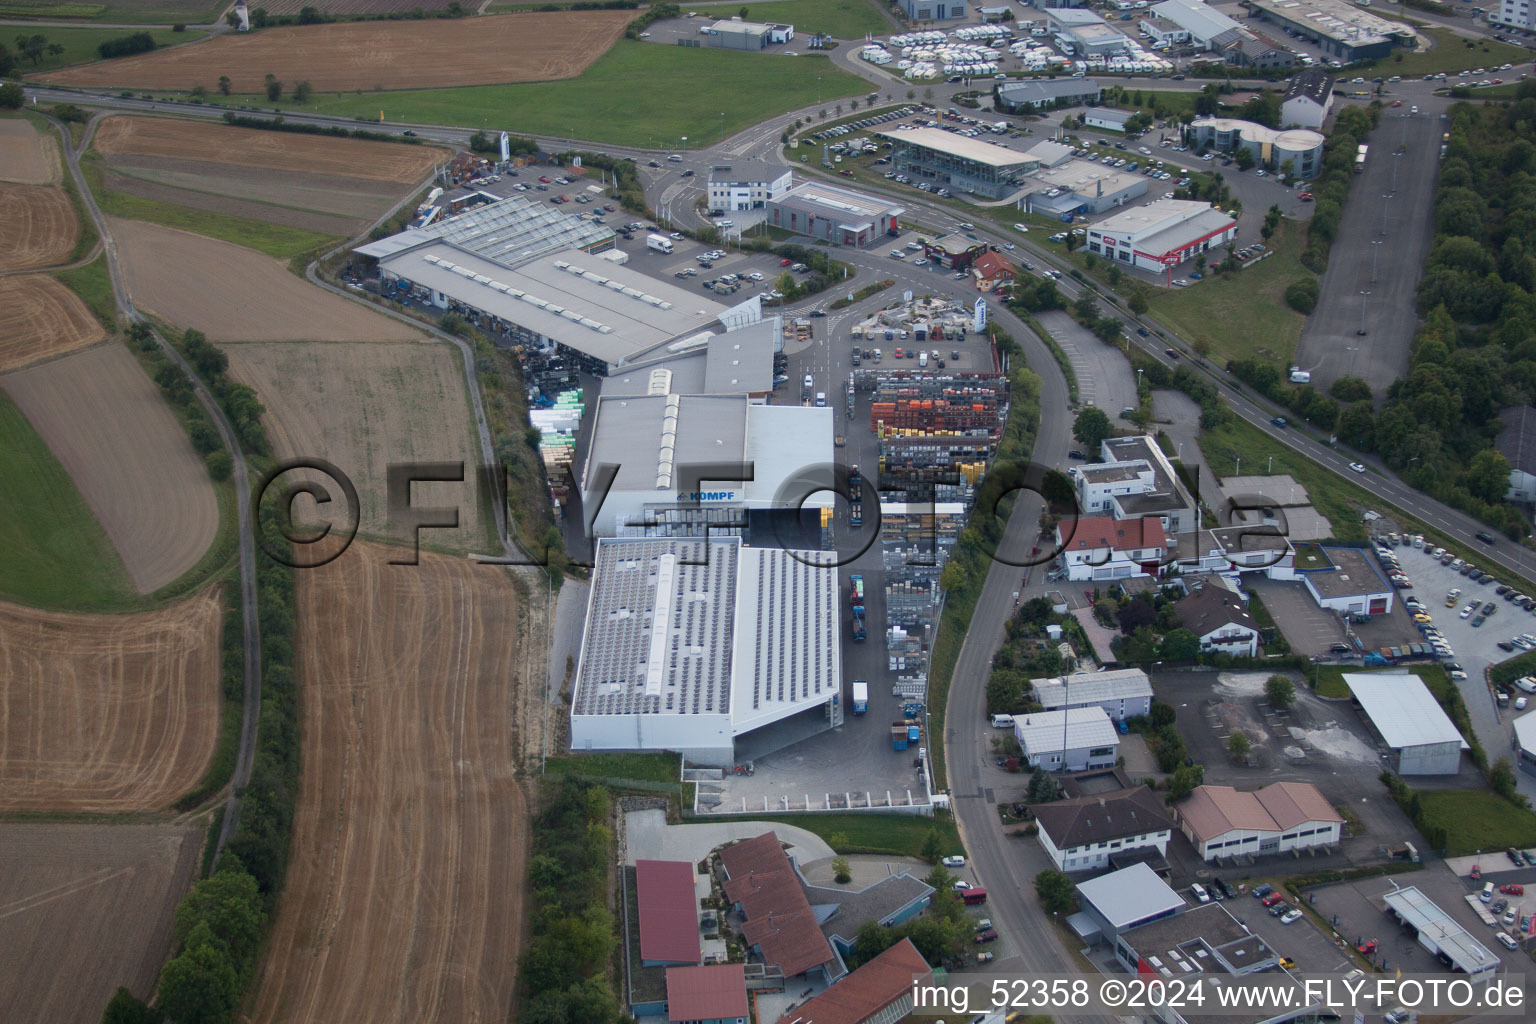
1002,721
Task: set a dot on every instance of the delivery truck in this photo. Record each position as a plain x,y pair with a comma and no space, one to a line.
860,697
658,243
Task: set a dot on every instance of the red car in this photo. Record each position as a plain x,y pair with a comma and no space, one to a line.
1512,889
1272,899
785,263
986,935
1367,948
1305,197
545,180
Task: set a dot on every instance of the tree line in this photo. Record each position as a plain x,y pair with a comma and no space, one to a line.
277,124
260,17
178,392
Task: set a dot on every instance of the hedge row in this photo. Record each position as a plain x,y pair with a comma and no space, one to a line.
277,124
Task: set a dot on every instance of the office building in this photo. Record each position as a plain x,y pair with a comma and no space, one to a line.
834,214
1071,741
1161,234
958,163
746,184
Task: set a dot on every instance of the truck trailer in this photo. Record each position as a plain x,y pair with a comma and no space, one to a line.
658,243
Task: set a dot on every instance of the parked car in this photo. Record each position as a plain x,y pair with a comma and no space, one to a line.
1290,917
989,935
953,862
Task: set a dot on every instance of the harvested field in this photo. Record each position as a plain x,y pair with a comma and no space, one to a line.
363,407
404,897
123,135
130,184
231,293
532,47
26,156
107,424
39,317
38,226
107,713
87,908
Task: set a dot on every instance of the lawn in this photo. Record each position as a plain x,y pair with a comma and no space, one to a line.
1451,53
1476,819
642,767
840,19
601,105
80,43
57,555
93,284
273,239
1242,315
120,12
898,835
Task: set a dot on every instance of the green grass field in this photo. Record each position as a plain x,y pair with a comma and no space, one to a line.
1451,54
644,767
272,239
1242,315
637,94
56,553
900,835
840,19
93,284
118,12
79,43
1477,819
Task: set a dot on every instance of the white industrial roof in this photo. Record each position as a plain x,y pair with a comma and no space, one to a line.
1130,895
609,312
1092,687
958,145
1083,178
1154,215
1042,731
1402,709
1199,20
1436,925
1525,732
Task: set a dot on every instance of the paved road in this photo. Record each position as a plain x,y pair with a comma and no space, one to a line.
1373,273
251,709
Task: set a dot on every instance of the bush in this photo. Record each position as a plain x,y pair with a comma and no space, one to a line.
1302,295
124,46
220,464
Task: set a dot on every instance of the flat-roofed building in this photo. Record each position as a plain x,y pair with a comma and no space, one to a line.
746,184
1343,31
932,10
736,34
835,214
1107,118
1525,741
1119,901
1162,234
1410,721
1302,148
691,644
1122,693
1439,933
1283,816
1071,741
958,163
1035,93
1096,187
1344,580
738,362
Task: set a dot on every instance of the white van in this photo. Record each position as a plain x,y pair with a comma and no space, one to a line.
1487,895
1506,941
1199,892
1002,721
922,359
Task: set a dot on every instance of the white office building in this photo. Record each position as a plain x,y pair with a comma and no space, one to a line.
1122,693
746,185
690,644
1071,741
1161,234
1082,834
1514,13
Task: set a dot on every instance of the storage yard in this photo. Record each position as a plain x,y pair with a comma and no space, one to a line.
231,293
106,423
87,908
107,714
40,318
363,407
533,47
27,157
38,226
404,897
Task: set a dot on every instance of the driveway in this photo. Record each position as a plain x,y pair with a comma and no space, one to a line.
1306,627
647,836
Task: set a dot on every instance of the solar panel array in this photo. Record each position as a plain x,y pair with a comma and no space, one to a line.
647,652
796,619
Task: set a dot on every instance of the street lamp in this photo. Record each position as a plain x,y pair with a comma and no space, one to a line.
1375,257
1363,296
1386,207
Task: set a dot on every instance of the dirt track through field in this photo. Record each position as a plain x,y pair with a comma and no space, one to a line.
39,317
84,909
27,157
404,898
107,424
107,713
38,226
364,407
232,293
534,47
123,135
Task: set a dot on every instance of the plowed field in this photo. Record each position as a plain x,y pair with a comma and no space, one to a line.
404,897
84,909
107,713
364,407
106,423
26,157
39,317
250,147
231,293
38,227
532,47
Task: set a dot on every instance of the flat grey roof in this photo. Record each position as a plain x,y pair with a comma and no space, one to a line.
505,232
746,169
590,304
1525,732
648,437
1036,90
1045,731
1202,22
1402,709
1177,236
1353,575
850,207
1110,114
1129,895
1091,687
1083,177
949,143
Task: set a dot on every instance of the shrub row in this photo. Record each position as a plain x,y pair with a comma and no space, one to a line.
277,124
238,401
124,46
178,391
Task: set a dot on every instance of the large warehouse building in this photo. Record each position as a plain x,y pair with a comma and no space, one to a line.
648,452
1342,30
1423,739
691,644
834,214
1302,148
1201,22
956,162
1016,96
1162,234
1283,816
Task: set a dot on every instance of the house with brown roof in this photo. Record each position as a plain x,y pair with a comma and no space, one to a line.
715,994
877,992
1222,822
1103,548
990,269
669,913
1220,619
1082,834
779,926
